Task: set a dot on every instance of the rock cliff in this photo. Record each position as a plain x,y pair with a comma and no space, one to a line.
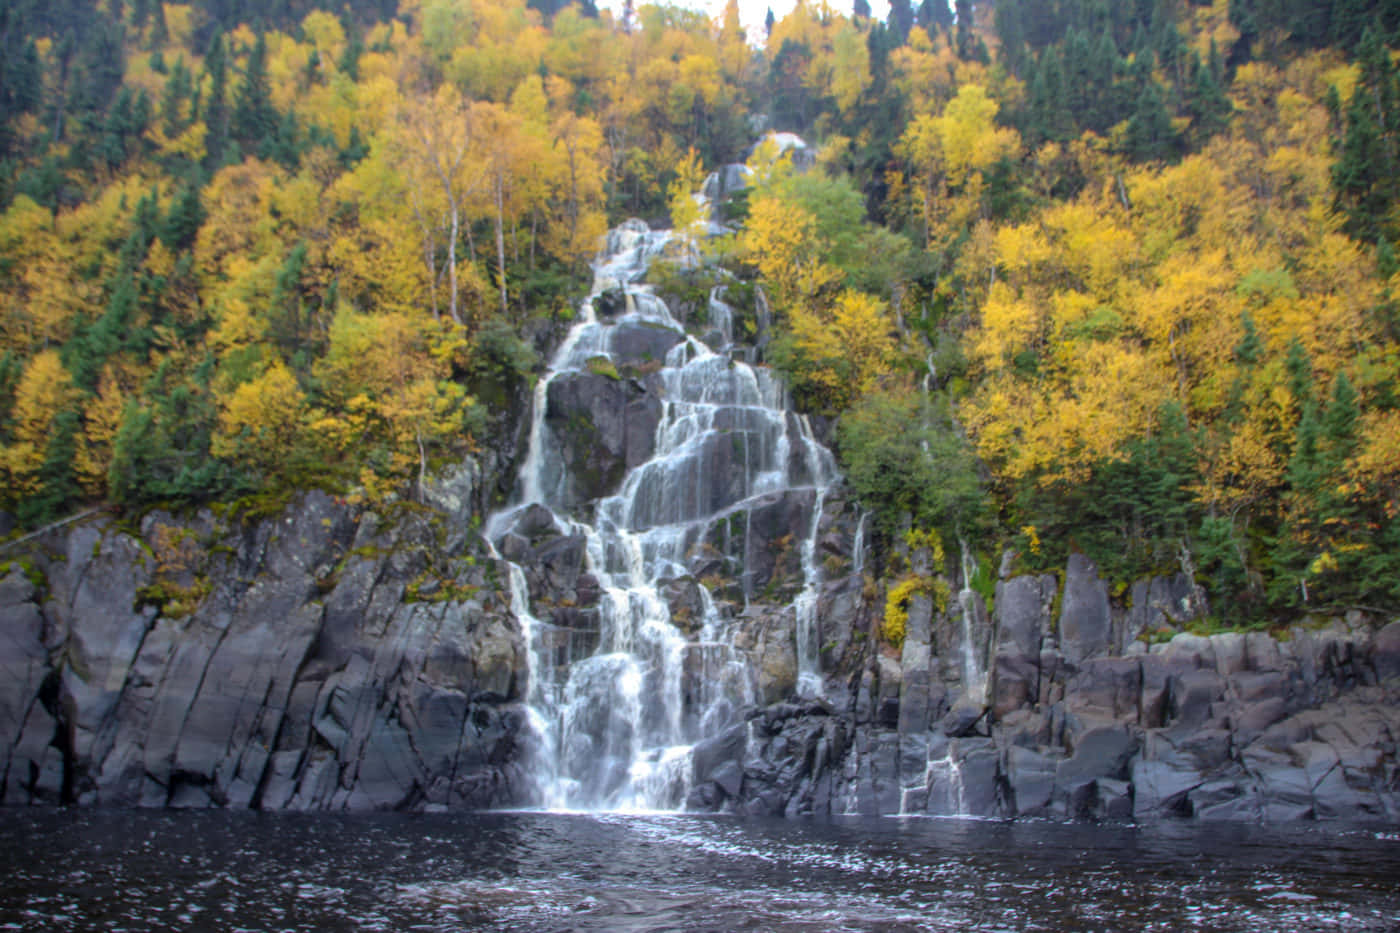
326,657
1078,717
332,657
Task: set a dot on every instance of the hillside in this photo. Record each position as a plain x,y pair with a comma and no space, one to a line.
1072,276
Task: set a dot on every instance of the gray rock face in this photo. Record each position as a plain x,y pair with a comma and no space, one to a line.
332,658
1023,613
1086,620
604,425
1228,727
283,664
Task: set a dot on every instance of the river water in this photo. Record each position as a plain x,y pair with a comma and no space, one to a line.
538,871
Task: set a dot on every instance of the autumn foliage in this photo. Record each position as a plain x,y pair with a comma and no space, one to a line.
1118,279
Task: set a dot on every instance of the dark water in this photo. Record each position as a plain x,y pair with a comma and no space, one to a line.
140,871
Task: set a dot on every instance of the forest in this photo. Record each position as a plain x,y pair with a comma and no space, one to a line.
1068,275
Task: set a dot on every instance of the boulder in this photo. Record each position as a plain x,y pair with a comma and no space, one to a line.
603,426
636,343
1030,776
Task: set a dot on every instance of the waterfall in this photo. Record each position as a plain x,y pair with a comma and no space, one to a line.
614,727
974,674
858,547
942,790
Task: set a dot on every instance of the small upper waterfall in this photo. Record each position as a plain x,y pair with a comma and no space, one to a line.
711,452
974,667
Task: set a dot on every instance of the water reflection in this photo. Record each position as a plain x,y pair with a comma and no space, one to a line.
224,871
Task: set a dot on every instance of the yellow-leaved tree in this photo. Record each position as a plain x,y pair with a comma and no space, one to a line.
261,423
388,396
44,391
837,351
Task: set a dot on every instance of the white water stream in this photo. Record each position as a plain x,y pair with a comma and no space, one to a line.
615,727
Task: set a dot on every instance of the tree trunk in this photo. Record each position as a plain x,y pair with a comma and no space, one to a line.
452,266
501,242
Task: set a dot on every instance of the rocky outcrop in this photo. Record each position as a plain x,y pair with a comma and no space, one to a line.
327,658
604,425
332,658
1080,718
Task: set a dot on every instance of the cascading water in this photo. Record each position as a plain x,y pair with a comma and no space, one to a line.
974,671
614,727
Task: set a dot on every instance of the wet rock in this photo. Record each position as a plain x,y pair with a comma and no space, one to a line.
980,771
962,719
760,549
1102,752
710,755
1162,785
455,493
26,727
915,670
272,667
1030,778
604,426
891,684
1014,684
839,613
686,602
634,344
770,642
1192,698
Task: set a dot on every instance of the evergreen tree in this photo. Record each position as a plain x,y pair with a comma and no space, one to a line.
160,30
216,107
284,147
254,119
967,40
59,490
182,223
349,64
1250,349
1048,104
1011,34
901,19
1339,424
20,82
934,16
1207,102
1150,133
178,89
1299,369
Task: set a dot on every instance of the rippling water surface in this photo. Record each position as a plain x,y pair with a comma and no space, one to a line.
224,871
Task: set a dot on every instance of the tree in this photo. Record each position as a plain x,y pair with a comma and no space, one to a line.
261,424
833,353
254,119
1150,132
388,397
685,211
44,393
436,135
903,457
216,106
